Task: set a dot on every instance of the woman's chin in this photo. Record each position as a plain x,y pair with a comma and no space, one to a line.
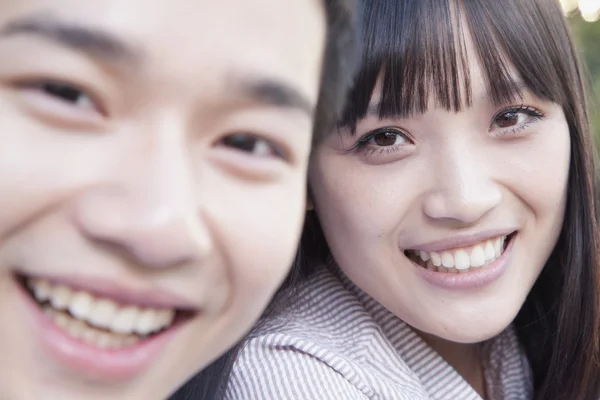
465,333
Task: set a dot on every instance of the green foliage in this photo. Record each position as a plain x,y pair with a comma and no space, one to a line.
588,36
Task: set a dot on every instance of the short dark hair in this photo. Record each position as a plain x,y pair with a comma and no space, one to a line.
338,69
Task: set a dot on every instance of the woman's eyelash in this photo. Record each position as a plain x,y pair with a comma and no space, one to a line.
378,150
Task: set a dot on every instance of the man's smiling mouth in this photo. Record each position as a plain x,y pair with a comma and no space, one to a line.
97,320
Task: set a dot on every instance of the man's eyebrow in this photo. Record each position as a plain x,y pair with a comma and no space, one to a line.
93,42
277,93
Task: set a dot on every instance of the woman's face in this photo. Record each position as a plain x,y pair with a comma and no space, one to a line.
447,218
152,169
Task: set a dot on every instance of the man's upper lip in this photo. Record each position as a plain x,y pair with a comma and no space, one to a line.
461,240
124,294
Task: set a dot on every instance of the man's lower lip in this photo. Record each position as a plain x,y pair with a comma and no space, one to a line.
470,280
110,364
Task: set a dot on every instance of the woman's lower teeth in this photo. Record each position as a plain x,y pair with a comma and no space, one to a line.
454,270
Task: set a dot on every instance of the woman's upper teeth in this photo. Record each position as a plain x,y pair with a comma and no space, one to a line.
102,312
465,257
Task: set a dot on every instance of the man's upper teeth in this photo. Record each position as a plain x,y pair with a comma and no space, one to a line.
101,312
466,257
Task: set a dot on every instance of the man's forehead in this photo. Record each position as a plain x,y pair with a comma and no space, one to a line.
106,47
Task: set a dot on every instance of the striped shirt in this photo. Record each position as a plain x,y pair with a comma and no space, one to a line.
336,342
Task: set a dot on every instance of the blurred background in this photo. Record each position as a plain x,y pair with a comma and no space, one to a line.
585,19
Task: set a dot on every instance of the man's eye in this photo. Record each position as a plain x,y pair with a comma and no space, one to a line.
62,92
252,145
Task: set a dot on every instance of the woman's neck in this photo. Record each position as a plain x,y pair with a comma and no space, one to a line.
464,358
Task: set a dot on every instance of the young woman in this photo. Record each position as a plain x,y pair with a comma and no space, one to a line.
153,160
452,252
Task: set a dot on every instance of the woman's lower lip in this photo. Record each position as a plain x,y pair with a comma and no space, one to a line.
105,364
470,280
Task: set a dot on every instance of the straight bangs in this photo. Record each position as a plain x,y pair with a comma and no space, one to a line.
416,51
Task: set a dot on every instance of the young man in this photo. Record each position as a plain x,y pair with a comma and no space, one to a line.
153,161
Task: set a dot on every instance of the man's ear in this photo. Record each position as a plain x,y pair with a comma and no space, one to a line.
310,206
309,203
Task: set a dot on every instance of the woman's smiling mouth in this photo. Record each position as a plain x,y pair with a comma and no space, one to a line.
461,259
468,267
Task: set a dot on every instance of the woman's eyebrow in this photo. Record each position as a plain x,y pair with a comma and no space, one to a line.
514,89
97,44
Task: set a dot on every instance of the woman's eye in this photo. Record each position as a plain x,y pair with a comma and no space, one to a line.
386,139
63,92
382,142
516,117
252,145
510,119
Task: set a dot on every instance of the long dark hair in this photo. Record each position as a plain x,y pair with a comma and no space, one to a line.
418,46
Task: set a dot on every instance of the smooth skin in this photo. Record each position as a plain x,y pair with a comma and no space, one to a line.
154,146
431,177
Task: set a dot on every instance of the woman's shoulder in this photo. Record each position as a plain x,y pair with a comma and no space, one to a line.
288,366
324,313
283,366
324,346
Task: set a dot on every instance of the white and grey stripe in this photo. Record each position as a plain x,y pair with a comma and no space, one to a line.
338,343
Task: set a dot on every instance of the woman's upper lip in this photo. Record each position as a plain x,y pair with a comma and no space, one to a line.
150,297
461,240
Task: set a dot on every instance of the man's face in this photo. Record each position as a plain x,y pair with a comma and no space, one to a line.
152,170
